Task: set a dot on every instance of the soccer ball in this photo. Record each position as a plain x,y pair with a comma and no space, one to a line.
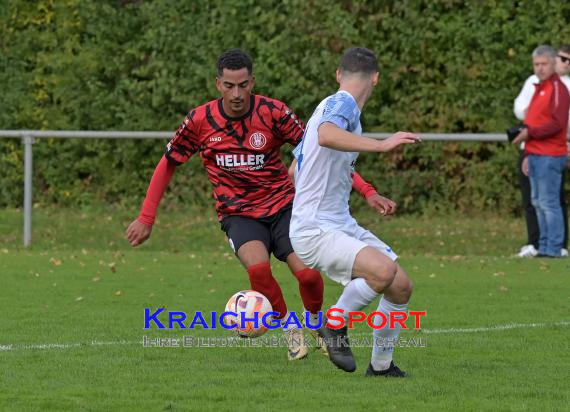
251,303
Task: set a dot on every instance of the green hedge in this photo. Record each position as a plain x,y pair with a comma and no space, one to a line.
447,66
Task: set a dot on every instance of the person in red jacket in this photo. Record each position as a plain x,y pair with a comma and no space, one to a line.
545,146
238,138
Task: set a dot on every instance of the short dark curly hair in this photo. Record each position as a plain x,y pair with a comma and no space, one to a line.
234,59
359,60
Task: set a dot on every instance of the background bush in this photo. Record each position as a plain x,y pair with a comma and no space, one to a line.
447,66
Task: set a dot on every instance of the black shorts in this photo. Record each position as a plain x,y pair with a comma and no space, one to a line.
273,231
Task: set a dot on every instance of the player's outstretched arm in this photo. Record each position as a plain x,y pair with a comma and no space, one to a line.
365,189
381,204
398,139
333,137
139,230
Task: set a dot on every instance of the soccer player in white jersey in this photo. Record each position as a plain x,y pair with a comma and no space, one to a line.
324,234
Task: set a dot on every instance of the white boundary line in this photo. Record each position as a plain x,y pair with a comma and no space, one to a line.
44,346
496,328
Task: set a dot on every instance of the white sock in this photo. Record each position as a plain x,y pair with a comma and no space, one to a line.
356,295
382,355
312,319
291,325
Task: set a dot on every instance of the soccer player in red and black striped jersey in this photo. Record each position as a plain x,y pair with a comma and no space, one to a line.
239,137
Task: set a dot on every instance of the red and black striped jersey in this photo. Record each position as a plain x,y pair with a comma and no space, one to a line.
241,155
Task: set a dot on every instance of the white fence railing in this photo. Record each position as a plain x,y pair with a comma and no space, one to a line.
29,137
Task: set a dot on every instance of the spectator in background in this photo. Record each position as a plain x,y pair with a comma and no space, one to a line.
545,137
520,108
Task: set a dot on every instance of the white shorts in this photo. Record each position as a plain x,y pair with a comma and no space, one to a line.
334,252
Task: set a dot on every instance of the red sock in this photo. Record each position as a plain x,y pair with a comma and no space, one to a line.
311,287
262,281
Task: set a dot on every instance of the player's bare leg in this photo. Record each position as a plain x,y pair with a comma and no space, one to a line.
400,290
255,257
377,269
253,253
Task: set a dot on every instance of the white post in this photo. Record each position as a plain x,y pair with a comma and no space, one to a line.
28,141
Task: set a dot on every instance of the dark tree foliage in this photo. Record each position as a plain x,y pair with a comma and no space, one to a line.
446,66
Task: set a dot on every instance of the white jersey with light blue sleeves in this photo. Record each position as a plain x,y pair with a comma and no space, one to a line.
323,177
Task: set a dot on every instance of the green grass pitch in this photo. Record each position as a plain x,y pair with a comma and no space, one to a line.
497,328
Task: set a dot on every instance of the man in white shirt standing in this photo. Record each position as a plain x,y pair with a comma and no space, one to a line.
324,234
520,109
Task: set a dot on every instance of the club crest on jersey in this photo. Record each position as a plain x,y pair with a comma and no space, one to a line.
257,140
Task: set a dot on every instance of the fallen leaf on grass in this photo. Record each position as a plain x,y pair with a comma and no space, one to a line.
56,262
118,293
